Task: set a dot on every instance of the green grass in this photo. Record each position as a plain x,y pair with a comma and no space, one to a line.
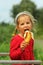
4,47
38,49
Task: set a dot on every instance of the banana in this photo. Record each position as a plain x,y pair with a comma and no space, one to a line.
27,36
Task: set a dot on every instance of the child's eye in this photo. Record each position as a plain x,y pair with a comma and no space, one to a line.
22,23
27,22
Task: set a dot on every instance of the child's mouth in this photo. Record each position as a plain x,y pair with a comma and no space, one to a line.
26,30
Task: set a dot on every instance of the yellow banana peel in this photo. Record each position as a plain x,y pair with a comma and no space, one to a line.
27,36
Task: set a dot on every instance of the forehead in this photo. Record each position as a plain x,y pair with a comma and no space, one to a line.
23,17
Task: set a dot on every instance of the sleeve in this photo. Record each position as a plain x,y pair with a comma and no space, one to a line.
32,49
15,50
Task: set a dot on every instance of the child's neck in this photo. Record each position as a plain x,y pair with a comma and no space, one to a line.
22,35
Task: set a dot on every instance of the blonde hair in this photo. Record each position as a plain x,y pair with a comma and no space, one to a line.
25,13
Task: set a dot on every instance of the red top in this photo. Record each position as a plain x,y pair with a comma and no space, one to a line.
17,54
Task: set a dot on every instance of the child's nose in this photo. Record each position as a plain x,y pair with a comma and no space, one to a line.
25,25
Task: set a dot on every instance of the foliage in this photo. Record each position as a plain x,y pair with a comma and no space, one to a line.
38,49
6,31
29,6
39,17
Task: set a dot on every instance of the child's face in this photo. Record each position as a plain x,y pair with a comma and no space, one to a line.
24,23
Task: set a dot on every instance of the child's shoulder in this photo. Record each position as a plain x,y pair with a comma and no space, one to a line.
14,37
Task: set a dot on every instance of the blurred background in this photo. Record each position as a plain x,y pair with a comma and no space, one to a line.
8,10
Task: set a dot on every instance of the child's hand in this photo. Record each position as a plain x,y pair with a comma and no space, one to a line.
23,45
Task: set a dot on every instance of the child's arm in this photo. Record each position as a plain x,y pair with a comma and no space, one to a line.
15,50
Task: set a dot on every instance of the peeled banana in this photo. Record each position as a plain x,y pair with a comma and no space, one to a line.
27,36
